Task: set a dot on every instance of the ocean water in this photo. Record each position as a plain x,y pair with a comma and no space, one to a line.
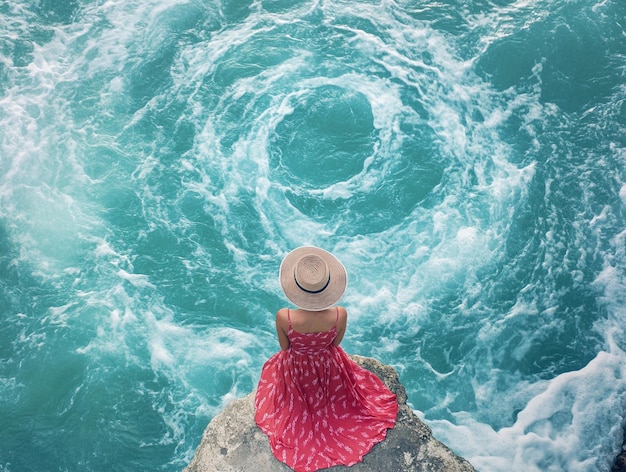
158,158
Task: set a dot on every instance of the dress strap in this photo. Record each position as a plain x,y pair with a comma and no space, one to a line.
289,317
337,317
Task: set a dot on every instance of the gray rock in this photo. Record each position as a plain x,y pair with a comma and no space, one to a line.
233,443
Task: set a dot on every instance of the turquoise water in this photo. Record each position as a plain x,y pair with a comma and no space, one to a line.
158,158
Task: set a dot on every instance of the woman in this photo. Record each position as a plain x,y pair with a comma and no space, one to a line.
317,407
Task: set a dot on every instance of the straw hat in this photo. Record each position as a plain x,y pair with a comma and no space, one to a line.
312,279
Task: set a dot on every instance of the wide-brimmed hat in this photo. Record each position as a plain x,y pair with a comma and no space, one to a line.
312,278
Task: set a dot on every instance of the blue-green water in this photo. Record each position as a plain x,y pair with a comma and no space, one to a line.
465,160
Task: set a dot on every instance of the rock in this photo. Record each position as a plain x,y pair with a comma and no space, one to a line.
619,464
233,443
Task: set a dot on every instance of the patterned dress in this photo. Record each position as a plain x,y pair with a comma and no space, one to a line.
319,408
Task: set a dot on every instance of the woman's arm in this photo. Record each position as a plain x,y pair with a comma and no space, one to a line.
341,325
282,326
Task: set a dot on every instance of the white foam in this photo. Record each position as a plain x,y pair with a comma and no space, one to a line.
138,280
59,315
556,428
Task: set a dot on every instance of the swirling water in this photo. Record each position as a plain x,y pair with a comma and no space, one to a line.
466,161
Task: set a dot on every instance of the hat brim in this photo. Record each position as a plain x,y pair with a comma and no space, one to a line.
313,301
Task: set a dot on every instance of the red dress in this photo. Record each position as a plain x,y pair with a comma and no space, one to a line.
318,407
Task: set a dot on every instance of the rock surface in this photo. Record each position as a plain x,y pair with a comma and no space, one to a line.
619,464
233,443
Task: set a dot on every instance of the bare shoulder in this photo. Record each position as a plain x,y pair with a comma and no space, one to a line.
281,315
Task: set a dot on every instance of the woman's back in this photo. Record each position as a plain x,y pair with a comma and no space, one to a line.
304,341
304,321
307,322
